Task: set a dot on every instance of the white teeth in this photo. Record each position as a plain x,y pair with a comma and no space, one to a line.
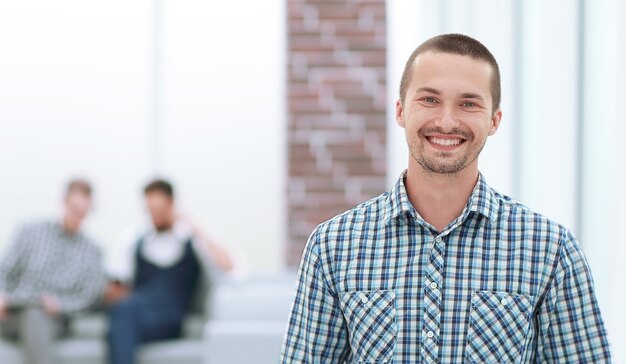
445,142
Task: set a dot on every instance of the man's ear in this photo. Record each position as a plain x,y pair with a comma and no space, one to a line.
495,122
400,113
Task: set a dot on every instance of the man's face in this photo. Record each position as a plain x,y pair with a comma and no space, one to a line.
77,206
447,111
161,208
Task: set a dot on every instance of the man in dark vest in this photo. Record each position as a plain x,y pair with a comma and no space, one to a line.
157,277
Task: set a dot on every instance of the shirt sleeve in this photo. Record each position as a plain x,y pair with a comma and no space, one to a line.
13,261
573,330
204,255
119,261
89,288
316,332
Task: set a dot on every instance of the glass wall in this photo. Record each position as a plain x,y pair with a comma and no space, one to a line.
123,91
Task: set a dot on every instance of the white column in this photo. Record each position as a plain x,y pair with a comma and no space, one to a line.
547,107
223,127
403,35
604,199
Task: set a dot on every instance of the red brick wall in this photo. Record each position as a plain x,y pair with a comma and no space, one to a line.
337,111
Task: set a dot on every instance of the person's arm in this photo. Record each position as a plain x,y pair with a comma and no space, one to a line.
11,266
317,332
570,324
208,246
119,259
4,304
89,286
120,266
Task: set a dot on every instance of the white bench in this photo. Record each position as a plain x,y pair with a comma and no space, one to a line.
86,345
247,323
249,320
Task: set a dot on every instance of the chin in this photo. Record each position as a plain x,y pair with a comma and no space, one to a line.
162,227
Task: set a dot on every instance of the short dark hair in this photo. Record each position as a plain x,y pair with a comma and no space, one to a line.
159,185
78,185
455,44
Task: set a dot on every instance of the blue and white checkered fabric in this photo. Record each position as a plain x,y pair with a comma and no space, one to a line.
501,284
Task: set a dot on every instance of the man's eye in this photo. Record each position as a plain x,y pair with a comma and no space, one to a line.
429,99
468,104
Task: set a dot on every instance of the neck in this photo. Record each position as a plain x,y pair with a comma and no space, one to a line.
440,198
69,225
164,226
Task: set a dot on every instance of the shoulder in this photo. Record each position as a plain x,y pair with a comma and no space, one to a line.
517,219
182,231
35,230
370,211
131,234
38,225
344,226
336,241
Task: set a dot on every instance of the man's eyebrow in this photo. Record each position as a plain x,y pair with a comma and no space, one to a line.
428,89
469,95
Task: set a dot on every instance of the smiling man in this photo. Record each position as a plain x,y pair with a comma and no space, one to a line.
442,268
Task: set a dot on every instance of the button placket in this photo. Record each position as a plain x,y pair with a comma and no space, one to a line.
432,302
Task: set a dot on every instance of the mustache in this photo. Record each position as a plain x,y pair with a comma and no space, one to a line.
439,130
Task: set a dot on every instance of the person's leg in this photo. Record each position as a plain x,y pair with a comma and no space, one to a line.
159,324
9,326
134,321
123,334
37,332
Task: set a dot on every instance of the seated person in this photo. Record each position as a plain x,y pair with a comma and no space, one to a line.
157,276
51,272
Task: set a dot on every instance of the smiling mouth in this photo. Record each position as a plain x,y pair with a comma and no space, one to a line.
447,143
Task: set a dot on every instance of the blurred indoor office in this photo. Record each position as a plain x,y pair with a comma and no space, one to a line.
272,116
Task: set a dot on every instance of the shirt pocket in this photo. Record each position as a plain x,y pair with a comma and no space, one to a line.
371,321
498,326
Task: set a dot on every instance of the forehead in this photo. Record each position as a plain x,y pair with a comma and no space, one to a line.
448,72
76,193
157,197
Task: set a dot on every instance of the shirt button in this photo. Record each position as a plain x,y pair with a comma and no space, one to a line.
504,302
433,285
430,334
439,239
364,299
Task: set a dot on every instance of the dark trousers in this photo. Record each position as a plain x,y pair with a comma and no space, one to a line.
136,320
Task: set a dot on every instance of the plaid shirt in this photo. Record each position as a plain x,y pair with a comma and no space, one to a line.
500,284
44,258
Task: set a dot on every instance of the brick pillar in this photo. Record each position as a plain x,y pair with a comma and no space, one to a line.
337,111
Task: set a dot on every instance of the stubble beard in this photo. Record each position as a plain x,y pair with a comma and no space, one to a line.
432,165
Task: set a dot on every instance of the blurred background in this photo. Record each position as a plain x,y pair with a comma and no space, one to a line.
272,116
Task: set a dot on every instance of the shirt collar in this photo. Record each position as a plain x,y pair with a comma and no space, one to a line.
482,201
59,225
397,204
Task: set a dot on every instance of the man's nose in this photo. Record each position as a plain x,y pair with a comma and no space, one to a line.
447,120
